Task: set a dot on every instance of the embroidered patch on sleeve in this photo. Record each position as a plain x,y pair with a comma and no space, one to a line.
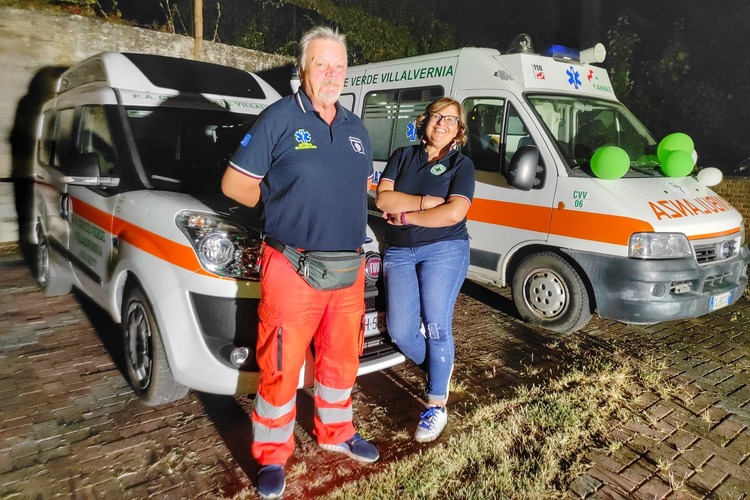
245,140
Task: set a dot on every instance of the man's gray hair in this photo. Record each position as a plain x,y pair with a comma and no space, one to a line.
317,33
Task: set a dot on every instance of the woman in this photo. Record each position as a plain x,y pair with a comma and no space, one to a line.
425,193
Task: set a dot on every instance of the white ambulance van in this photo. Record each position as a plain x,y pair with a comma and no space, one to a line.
641,248
128,209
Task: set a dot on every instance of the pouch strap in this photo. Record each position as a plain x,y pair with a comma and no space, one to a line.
275,244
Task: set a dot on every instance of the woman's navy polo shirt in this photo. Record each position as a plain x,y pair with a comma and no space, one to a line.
314,187
411,173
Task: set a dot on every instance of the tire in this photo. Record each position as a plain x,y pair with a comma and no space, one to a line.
549,292
49,276
145,358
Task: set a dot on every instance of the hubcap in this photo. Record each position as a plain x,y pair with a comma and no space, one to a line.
545,294
42,263
138,342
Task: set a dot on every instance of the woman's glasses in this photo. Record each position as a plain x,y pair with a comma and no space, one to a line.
448,119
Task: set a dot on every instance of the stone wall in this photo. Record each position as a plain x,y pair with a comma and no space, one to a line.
736,190
35,47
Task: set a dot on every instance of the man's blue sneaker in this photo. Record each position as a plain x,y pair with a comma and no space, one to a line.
356,447
270,481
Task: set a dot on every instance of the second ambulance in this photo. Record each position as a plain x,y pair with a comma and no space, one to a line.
640,247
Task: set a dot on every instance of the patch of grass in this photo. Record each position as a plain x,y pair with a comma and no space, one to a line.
529,445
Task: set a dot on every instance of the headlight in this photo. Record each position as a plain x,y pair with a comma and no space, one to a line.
659,246
223,246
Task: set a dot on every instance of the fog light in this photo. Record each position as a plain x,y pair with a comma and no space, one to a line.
658,290
239,356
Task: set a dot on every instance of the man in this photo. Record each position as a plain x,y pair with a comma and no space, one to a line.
309,161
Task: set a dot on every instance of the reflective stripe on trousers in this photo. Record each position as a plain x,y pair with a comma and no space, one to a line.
291,315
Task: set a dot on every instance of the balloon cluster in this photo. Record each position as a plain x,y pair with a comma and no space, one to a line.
676,153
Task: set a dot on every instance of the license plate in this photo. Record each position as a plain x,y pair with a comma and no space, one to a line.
374,323
719,301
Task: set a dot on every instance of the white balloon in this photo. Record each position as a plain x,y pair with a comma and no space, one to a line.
694,154
710,176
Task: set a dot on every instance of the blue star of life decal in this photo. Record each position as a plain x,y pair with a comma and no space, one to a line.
411,131
574,77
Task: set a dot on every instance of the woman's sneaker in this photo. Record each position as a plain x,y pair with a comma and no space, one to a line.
432,423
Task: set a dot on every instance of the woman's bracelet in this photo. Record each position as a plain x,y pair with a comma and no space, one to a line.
403,219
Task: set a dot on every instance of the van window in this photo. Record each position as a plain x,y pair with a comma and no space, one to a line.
387,116
186,150
580,126
484,119
64,146
516,135
46,138
96,138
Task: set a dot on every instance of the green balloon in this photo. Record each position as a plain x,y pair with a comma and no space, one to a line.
610,162
674,142
678,164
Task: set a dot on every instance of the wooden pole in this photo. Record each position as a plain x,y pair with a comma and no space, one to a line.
198,15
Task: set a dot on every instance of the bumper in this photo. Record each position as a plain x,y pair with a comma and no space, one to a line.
650,291
201,329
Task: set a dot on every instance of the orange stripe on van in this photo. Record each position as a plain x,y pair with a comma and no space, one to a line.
570,223
603,228
517,215
158,246
714,235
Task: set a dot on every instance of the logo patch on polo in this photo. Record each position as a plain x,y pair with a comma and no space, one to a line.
304,139
357,145
438,169
245,140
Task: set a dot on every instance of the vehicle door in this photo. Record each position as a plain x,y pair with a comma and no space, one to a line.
93,196
53,151
502,217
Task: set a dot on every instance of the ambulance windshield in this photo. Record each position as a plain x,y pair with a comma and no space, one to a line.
580,126
186,150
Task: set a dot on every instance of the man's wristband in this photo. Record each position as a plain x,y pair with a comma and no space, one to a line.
403,219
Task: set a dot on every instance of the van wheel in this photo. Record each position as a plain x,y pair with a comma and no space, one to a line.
49,277
148,369
549,292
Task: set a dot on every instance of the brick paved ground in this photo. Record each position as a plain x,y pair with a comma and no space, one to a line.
70,426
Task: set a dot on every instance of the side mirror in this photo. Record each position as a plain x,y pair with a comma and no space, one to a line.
83,165
523,168
83,170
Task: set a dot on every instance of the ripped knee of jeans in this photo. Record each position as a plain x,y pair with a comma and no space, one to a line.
434,333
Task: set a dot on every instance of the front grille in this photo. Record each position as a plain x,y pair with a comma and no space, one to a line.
717,250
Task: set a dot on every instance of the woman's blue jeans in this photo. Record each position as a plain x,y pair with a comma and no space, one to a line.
422,284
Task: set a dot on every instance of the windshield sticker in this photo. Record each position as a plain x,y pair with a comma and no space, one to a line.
304,139
411,131
397,76
675,209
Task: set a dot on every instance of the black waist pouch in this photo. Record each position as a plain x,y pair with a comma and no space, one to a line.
322,270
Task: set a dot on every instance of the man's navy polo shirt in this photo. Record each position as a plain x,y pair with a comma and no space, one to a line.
314,187
411,173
